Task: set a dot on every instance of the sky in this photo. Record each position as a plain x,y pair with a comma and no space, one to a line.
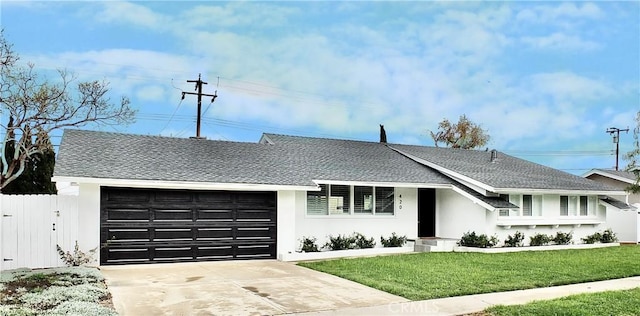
544,79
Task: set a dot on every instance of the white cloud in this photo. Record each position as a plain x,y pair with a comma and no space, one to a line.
560,41
130,13
569,86
554,14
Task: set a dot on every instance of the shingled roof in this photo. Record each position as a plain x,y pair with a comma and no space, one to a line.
503,173
621,175
90,154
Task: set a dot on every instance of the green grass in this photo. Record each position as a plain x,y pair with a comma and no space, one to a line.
596,304
434,275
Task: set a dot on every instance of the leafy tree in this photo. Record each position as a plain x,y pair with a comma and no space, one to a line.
37,106
464,134
633,156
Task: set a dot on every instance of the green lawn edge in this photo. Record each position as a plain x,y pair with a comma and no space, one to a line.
622,302
421,276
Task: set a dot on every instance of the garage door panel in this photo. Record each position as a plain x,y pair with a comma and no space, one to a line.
127,234
173,215
173,253
163,234
214,215
255,215
215,253
127,214
215,233
254,251
128,254
255,232
183,225
166,196
127,195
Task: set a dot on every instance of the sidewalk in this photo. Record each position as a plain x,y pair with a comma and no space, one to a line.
474,303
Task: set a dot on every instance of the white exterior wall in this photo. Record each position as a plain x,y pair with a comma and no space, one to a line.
622,223
550,222
404,222
456,215
89,218
286,231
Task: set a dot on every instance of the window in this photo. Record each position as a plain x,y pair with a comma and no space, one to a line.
530,205
504,212
363,200
564,205
384,200
527,208
583,206
574,205
346,200
317,201
340,199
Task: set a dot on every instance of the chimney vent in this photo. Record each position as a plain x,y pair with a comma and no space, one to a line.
494,155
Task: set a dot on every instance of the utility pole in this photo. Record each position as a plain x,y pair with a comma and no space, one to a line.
199,93
616,139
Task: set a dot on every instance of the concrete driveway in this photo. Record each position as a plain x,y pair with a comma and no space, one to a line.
257,287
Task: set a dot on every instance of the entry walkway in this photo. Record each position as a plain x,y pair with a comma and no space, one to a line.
461,305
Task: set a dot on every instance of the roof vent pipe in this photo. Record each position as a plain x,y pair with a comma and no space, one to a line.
383,134
494,155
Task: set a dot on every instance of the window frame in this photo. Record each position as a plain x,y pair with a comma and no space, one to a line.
534,202
372,198
578,205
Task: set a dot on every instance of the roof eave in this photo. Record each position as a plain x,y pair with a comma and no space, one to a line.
558,191
446,171
161,184
608,175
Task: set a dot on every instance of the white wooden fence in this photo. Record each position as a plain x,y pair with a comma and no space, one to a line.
31,227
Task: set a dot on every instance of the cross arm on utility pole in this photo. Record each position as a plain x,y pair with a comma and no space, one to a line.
616,139
199,93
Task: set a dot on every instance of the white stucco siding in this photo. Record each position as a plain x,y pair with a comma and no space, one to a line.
623,223
456,215
403,222
89,218
288,203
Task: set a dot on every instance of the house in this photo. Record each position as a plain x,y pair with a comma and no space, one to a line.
625,223
160,199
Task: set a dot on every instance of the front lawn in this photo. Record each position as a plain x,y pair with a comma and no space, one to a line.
595,304
58,291
433,275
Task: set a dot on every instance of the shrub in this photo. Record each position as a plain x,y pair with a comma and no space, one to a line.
540,240
77,258
341,242
515,241
592,239
608,237
563,238
362,242
308,244
470,239
393,241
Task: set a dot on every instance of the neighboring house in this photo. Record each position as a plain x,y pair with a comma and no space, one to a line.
161,199
625,223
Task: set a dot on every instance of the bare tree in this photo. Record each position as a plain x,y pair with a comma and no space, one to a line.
35,106
464,134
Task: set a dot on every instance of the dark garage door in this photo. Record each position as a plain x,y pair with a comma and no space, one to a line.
152,225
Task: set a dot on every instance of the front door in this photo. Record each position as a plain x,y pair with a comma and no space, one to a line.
426,212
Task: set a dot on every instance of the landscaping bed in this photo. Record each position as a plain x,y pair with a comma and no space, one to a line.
56,291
